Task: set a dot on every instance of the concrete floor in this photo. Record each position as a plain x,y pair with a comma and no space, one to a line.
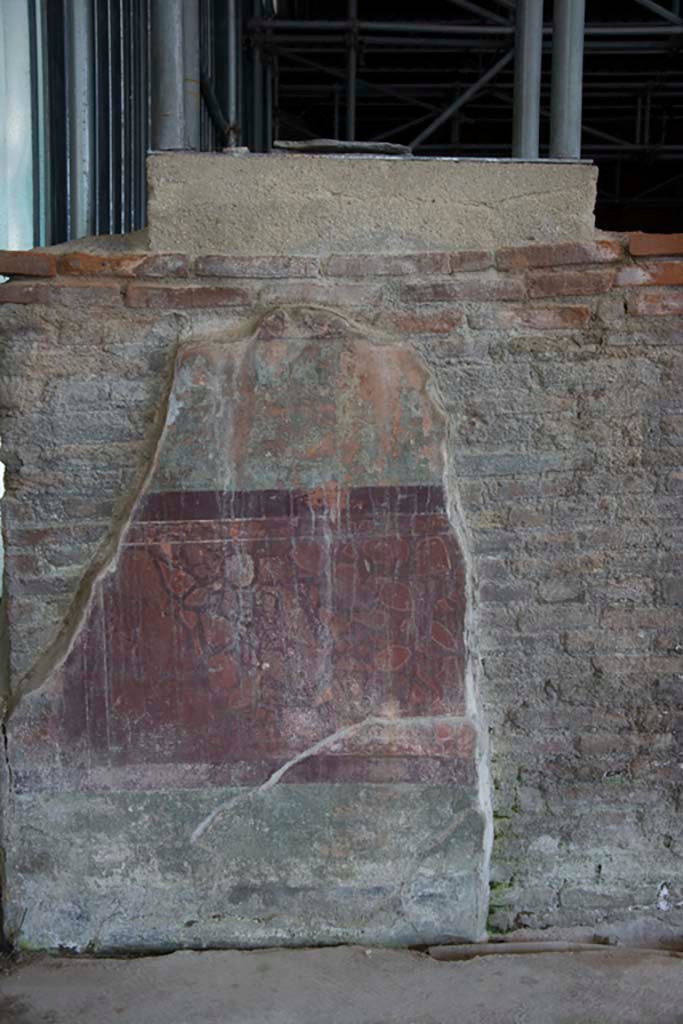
346,985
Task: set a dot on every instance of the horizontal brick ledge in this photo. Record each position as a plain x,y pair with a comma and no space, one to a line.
543,284
184,297
359,266
125,264
556,254
90,263
464,289
27,263
644,244
266,267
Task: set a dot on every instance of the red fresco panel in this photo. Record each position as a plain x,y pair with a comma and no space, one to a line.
238,630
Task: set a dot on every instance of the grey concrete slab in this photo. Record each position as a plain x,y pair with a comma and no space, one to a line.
306,204
346,985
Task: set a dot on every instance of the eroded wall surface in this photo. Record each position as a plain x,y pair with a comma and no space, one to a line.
506,427
267,676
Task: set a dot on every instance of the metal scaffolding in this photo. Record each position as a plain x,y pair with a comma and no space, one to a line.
484,78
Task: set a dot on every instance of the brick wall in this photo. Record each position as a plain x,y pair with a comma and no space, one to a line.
559,368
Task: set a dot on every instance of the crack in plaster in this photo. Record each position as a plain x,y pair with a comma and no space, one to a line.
474,668
56,653
344,733
104,562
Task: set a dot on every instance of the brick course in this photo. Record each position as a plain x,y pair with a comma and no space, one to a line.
33,264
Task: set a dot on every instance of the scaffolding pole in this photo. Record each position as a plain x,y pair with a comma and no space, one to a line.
233,138
81,118
191,85
167,74
567,79
352,69
528,53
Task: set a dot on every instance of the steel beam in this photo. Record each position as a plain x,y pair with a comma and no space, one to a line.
167,74
528,54
232,74
567,79
481,12
461,100
414,28
340,76
400,128
81,106
661,11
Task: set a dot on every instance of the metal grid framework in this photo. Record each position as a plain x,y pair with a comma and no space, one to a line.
112,79
488,78
483,78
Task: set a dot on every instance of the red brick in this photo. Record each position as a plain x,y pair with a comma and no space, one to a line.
164,264
642,244
465,289
541,318
256,266
125,264
27,263
470,259
25,291
382,266
91,263
437,321
91,293
558,254
148,296
656,302
664,272
569,282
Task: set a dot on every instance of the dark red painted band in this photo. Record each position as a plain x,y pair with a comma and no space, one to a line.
350,502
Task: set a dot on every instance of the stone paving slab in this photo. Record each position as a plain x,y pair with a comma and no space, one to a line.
346,985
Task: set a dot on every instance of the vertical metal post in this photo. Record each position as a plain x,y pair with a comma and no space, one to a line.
567,79
167,74
639,120
352,71
256,89
268,108
275,134
336,130
81,106
528,53
191,92
232,73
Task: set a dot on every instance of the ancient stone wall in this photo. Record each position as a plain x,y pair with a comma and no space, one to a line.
528,403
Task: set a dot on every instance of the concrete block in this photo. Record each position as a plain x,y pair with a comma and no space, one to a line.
321,205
